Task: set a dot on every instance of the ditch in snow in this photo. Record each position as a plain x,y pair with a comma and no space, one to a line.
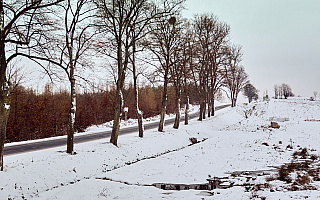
299,174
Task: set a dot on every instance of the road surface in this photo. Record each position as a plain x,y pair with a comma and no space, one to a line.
35,146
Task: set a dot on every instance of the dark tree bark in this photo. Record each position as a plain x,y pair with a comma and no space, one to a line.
164,100
139,113
178,103
4,89
16,29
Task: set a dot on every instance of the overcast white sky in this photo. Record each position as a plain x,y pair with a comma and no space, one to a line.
280,39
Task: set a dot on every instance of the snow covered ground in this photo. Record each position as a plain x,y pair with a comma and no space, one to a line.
233,144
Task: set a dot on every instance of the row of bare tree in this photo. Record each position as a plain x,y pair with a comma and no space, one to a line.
36,115
282,91
196,52
65,36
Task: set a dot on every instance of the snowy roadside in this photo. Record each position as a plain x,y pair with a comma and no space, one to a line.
100,170
108,126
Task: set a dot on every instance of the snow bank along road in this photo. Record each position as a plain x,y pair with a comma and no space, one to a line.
35,146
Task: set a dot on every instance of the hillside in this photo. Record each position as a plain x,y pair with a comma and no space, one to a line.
237,147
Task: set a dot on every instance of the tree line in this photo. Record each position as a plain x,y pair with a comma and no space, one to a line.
64,37
35,116
282,91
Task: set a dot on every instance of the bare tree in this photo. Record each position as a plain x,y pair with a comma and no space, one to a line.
276,91
178,70
120,19
163,46
283,90
204,30
216,60
315,93
18,21
140,29
280,89
66,48
163,43
211,37
286,91
139,113
116,17
235,76
250,92
186,61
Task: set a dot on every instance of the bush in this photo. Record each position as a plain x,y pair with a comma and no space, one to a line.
193,140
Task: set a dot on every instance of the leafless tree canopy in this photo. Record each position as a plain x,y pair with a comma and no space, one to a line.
283,91
21,25
250,92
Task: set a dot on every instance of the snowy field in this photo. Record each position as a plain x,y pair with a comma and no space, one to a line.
237,144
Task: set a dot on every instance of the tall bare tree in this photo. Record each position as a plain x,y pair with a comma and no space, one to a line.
235,76
204,26
139,112
18,21
140,28
177,73
163,43
120,18
286,91
186,47
216,59
315,93
250,92
66,47
276,91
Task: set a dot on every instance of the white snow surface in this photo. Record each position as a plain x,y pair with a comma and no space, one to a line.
100,170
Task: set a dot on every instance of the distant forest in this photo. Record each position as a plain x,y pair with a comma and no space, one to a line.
35,116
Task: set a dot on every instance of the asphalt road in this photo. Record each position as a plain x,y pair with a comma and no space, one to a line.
35,146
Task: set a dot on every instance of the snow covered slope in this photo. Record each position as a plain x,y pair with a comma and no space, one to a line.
236,140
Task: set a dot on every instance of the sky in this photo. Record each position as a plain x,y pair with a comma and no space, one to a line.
280,39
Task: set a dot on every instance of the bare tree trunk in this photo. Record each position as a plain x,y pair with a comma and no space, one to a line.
4,112
139,113
201,99
212,109
72,111
233,102
140,124
4,89
186,111
204,110
122,67
117,114
178,101
204,101
232,98
209,109
209,93
118,105
118,110
201,108
72,114
136,102
164,101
